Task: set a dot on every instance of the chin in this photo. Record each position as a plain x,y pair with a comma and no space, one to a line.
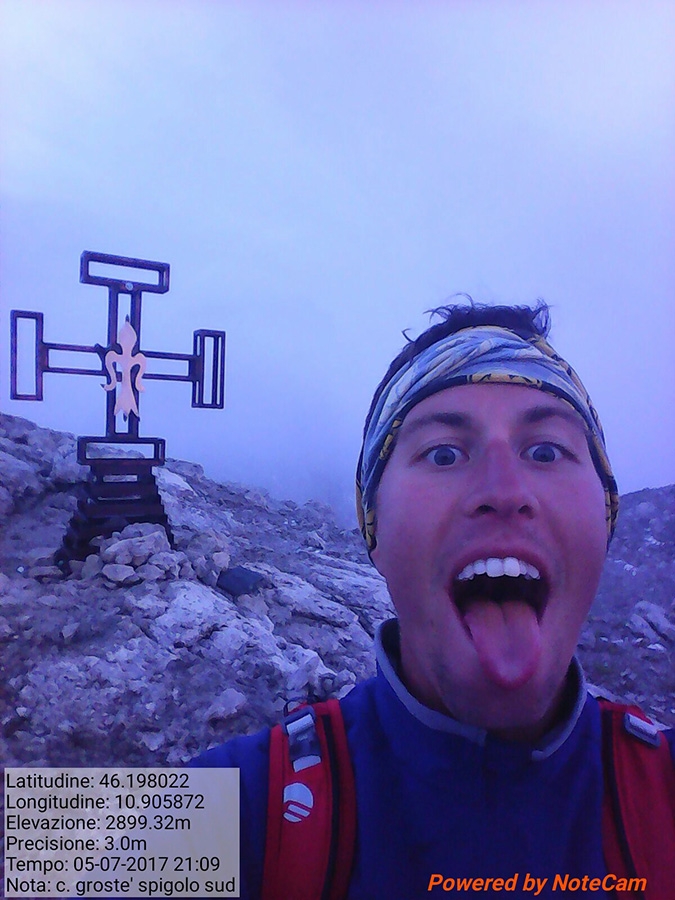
526,711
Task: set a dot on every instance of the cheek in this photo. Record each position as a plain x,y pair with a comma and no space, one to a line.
590,508
400,523
587,534
407,555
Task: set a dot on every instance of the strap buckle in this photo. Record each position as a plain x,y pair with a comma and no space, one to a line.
304,748
646,732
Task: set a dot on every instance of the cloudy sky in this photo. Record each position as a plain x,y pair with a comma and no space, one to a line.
319,174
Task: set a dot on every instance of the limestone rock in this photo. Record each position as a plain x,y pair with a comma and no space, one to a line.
229,704
19,478
120,574
45,573
91,567
6,502
134,551
315,540
150,572
221,559
172,481
40,556
642,628
657,619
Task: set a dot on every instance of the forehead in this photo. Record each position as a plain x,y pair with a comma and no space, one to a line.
473,406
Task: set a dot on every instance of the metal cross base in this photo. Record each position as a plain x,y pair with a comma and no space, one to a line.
119,492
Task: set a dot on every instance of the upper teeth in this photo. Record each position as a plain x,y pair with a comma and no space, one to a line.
495,568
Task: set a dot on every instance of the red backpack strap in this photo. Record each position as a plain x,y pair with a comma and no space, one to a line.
311,808
638,816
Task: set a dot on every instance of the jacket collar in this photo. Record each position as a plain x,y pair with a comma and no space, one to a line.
387,651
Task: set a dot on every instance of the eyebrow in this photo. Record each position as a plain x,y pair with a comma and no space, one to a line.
541,413
465,422
451,419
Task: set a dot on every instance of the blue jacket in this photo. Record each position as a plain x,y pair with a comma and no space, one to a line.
435,796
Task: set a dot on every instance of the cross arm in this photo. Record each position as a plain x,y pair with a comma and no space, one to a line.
205,366
42,350
205,369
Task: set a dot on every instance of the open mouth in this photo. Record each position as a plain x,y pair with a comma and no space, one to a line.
500,581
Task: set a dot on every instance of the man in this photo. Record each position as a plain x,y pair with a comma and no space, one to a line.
487,502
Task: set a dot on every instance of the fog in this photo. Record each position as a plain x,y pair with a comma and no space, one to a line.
320,174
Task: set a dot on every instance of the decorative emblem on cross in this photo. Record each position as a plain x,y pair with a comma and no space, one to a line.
132,366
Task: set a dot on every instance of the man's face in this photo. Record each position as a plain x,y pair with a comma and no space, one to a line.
480,474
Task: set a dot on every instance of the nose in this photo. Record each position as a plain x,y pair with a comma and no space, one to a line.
502,487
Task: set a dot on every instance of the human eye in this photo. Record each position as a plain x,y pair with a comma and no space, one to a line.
547,452
444,455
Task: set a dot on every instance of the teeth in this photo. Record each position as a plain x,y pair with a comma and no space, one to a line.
511,567
496,568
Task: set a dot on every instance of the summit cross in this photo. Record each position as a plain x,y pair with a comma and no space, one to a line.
121,490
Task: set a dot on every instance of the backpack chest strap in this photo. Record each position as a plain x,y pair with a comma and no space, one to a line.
311,809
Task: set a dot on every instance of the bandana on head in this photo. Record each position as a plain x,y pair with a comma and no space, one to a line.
483,354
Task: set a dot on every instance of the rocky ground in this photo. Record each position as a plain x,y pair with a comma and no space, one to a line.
138,658
628,643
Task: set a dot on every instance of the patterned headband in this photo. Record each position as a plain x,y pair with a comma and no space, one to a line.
479,355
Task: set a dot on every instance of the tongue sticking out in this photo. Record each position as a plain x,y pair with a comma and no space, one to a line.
507,639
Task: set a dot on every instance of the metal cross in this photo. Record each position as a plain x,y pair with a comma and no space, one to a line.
120,362
120,490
